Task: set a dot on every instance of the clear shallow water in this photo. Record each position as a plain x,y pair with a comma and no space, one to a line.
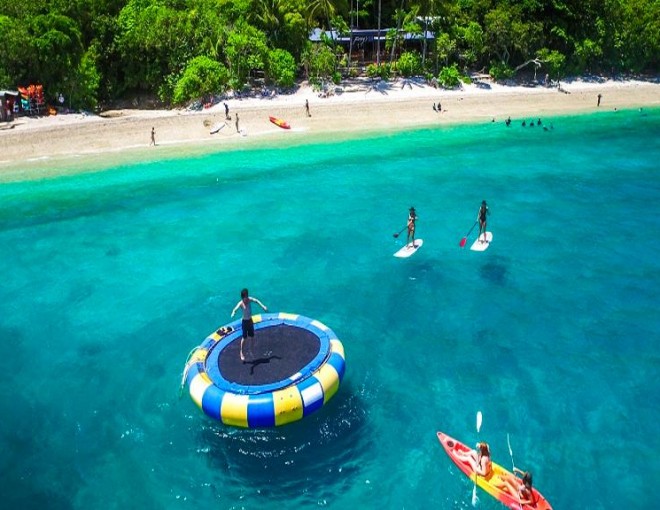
112,277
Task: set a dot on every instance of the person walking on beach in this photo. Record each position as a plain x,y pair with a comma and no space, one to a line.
481,218
307,107
227,117
247,326
412,219
237,130
599,97
153,137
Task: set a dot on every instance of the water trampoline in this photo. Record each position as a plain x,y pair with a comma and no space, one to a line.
292,367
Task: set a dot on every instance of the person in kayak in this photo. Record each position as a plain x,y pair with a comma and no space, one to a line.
412,219
481,218
522,489
478,459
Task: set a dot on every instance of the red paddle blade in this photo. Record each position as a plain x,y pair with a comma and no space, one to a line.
463,241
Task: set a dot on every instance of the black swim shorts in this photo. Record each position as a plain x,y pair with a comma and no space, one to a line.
248,328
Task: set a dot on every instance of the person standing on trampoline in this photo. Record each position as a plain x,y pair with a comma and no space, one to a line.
247,325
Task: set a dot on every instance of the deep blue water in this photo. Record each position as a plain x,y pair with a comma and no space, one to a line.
111,277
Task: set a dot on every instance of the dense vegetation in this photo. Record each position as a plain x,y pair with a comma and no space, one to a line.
101,50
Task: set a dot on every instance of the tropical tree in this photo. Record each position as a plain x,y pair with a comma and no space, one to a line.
281,68
202,76
245,51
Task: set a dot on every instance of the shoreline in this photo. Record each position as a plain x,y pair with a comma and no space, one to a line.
34,148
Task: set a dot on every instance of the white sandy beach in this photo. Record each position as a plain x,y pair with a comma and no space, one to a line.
28,145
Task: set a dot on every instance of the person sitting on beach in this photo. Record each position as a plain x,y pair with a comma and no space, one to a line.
434,108
521,489
479,459
412,219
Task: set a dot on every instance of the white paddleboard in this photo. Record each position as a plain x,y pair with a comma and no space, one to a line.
408,249
480,244
217,127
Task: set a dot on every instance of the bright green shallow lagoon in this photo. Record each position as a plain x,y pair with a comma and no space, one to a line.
110,278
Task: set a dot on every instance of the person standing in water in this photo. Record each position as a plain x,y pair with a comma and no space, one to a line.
247,326
481,218
412,219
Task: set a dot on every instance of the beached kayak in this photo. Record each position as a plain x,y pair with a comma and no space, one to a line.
279,122
494,484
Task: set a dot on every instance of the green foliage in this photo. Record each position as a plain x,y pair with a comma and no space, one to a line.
55,49
445,47
86,84
409,64
449,77
246,50
553,61
384,71
473,37
99,49
500,71
203,76
587,52
281,68
321,61
14,50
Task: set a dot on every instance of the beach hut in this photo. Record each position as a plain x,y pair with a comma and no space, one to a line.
365,43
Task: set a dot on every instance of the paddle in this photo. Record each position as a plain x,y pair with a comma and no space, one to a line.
464,240
513,466
399,232
474,489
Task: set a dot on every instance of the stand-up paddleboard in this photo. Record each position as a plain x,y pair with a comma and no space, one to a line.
409,249
480,244
218,127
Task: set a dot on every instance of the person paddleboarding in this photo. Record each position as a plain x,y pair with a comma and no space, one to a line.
412,219
481,218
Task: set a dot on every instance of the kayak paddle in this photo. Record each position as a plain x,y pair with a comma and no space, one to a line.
464,240
474,489
513,466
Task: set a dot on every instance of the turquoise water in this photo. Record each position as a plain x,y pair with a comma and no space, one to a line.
110,278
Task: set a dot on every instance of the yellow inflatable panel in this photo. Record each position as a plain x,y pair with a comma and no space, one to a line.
338,347
329,379
198,386
199,356
319,325
288,405
234,409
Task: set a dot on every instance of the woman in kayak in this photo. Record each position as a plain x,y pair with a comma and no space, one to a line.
521,489
478,459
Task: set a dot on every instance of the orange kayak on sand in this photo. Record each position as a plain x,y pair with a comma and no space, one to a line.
495,483
279,122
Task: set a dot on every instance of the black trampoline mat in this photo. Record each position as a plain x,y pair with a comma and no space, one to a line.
274,353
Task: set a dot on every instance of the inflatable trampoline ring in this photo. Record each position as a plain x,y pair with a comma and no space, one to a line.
292,367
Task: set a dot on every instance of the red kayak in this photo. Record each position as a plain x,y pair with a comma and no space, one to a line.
279,122
495,483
